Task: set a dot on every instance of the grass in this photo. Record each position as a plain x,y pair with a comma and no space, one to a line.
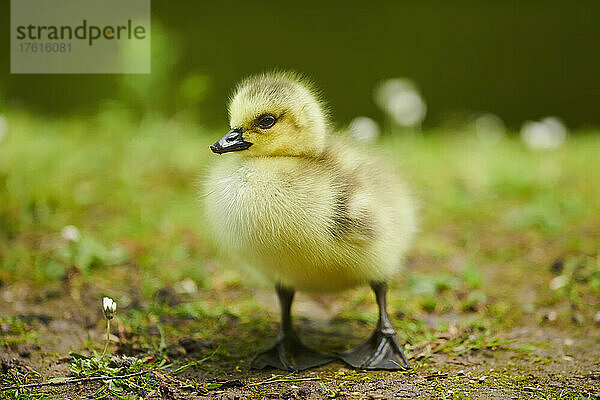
14,330
508,237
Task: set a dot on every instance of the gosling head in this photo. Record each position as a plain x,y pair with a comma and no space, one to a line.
275,114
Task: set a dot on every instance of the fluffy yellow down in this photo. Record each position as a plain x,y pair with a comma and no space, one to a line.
303,207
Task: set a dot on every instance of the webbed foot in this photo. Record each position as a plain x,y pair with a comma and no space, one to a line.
290,354
381,351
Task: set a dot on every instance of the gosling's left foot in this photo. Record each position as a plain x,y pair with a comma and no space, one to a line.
381,351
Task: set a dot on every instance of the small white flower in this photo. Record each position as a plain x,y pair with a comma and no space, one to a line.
364,129
401,100
70,234
548,134
109,306
407,108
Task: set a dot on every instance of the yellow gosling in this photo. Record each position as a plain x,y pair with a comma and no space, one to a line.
308,210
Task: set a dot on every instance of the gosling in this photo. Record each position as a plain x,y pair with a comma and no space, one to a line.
309,211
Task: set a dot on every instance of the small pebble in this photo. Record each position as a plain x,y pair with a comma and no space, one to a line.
568,342
559,282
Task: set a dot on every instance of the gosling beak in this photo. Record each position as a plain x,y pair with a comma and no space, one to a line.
232,141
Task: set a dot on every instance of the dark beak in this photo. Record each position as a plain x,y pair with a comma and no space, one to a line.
232,141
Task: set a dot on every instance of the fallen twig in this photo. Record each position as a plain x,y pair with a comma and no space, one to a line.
76,380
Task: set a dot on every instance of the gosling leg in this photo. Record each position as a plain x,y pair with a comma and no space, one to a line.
289,353
382,350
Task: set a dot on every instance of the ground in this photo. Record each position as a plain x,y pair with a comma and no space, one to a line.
499,298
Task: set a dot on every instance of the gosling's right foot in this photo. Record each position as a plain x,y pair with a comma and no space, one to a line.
290,354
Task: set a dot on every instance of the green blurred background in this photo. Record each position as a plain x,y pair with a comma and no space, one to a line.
517,59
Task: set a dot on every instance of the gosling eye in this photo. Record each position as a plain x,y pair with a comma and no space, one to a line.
266,121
